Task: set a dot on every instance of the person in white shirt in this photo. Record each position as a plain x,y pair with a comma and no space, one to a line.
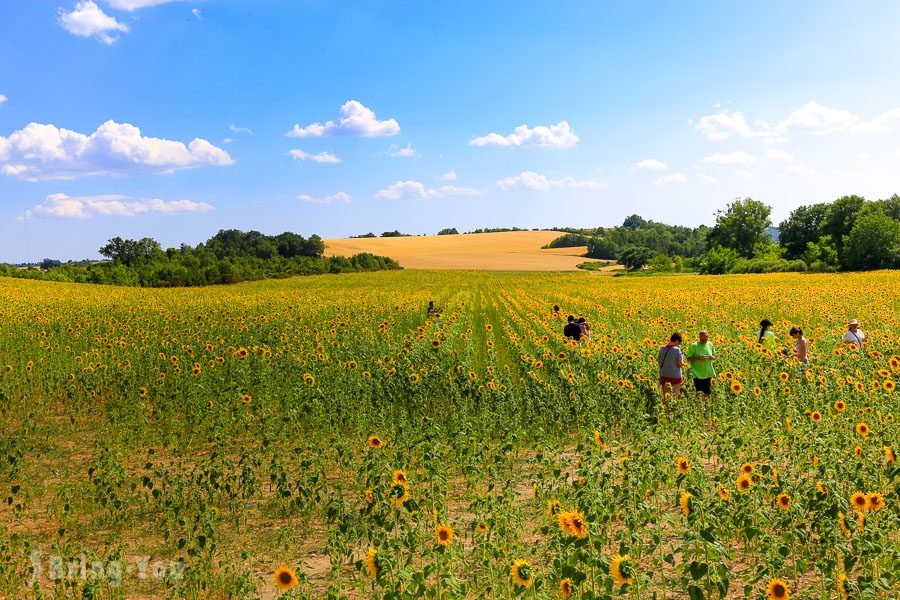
854,334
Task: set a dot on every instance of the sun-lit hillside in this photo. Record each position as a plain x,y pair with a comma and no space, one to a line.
506,251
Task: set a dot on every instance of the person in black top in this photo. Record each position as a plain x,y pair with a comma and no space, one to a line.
572,329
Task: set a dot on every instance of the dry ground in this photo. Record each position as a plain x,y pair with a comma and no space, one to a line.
507,251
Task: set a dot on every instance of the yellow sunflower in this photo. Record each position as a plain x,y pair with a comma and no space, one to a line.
285,578
744,482
723,491
778,590
375,441
565,587
859,501
683,465
621,569
521,573
862,429
444,535
372,561
399,476
875,501
784,501
685,503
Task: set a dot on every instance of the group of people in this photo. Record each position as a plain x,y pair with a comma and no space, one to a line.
577,328
701,354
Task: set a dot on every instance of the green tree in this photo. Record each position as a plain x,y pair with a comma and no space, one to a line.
129,252
873,243
839,219
718,260
804,225
635,257
448,231
741,227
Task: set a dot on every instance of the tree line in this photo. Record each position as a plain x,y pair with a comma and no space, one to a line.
230,256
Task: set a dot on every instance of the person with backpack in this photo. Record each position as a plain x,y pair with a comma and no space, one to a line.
671,361
854,335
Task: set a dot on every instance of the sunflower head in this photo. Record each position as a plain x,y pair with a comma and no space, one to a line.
784,501
285,578
859,501
747,468
685,503
875,501
816,417
723,491
481,527
839,405
521,573
683,465
565,587
399,494
744,482
399,476
444,534
622,569
372,562
375,441
778,590
862,429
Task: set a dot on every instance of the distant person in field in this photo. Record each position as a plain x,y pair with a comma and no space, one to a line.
572,329
432,309
801,348
700,355
766,335
585,328
671,361
555,312
854,334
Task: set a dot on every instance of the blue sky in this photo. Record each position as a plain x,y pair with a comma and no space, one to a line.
174,119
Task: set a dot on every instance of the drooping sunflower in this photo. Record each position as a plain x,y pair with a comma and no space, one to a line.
842,521
552,508
888,455
862,429
778,590
370,496
875,501
521,573
841,584
723,491
685,503
821,487
621,569
444,534
744,482
597,439
375,442
683,465
784,501
859,501
399,494
565,587
372,561
285,578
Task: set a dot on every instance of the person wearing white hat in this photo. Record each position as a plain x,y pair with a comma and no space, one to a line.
854,334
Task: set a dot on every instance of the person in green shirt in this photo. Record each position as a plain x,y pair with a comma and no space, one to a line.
700,355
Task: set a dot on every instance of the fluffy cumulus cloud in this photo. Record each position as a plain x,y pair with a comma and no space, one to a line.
673,178
542,136
417,190
355,120
341,197
448,176
136,4
529,180
2,98
811,118
779,155
730,158
41,151
321,157
649,165
88,20
61,206
406,151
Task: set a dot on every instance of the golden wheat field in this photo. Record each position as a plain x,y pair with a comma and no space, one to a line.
502,251
321,437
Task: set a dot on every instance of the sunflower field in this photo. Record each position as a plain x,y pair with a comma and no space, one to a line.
322,437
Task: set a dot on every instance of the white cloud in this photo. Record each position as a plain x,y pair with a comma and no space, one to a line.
227,140
88,19
2,98
724,125
235,129
338,197
356,120
41,151
799,171
136,4
542,136
406,151
730,158
417,190
818,119
779,155
448,176
650,165
530,180
321,157
196,12
62,206
673,178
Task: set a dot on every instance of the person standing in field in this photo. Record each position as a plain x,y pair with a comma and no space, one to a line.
585,328
801,348
671,361
572,329
766,335
854,335
700,355
555,311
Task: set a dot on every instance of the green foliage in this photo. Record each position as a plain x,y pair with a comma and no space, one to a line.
718,260
839,220
448,231
767,264
741,227
602,247
394,233
569,240
635,257
873,243
130,252
801,228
